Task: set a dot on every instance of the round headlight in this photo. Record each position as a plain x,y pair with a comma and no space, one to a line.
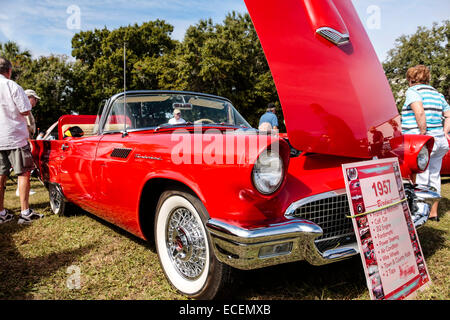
422,158
268,172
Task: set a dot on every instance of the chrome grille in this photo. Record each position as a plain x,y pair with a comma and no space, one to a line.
330,213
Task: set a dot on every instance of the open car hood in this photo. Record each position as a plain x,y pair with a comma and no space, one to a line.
332,88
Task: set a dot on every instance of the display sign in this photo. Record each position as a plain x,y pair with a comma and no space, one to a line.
389,246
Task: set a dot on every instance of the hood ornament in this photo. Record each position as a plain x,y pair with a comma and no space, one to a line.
333,35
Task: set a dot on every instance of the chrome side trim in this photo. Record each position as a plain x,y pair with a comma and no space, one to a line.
333,35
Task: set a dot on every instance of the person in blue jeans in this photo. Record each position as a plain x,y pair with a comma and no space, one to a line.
426,112
269,118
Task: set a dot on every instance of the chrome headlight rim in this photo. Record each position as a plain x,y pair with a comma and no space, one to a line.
423,158
256,173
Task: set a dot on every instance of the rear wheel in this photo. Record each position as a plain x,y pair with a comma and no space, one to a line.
58,203
184,247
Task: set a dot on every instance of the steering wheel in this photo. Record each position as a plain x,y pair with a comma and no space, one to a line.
204,120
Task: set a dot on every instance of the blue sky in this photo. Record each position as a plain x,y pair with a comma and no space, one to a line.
46,27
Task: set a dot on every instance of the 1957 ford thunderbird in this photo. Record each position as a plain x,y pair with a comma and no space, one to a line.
216,194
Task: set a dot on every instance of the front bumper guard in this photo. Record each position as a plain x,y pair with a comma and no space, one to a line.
241,248
420,200
294,239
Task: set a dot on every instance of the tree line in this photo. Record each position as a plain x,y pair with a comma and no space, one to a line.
224,59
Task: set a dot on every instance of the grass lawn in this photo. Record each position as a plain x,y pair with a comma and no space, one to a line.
40,261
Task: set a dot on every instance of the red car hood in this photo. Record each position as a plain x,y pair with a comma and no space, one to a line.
335,98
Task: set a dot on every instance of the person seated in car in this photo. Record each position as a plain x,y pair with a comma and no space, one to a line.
265,127
177,119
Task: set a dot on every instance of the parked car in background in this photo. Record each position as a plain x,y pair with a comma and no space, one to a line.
445,170
215,194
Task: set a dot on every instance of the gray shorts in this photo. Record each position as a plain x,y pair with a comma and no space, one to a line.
21,160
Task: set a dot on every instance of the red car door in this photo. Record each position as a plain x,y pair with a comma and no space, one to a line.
117,191
76,174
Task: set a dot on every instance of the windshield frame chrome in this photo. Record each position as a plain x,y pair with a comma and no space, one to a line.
113,99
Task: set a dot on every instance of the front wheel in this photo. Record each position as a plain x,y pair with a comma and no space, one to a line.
184,247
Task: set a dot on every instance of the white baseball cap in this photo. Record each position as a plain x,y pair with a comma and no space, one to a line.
30,92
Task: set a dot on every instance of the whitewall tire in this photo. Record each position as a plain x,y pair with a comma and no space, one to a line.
184,248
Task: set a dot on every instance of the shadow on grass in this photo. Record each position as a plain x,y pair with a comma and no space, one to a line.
302,281
19,274
76,211
431,240
40,205
444,206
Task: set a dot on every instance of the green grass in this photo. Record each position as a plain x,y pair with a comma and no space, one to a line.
114,264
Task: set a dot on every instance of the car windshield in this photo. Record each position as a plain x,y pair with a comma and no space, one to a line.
170,109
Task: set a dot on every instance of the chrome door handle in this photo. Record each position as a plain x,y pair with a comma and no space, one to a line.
64,147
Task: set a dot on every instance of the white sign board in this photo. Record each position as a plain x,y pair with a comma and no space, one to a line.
388,242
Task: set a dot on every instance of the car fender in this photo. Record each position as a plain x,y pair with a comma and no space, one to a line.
407,148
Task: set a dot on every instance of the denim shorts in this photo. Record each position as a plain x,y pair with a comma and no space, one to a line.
20,159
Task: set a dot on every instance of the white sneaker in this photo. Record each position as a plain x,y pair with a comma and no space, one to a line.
29,218
6,217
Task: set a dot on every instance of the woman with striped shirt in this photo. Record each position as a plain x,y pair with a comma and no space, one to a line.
423,113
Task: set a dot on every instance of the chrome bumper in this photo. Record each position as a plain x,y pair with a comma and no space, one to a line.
294,239
289,241
420,199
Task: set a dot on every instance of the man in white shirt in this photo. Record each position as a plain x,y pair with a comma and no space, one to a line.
177,119
14,147
31,123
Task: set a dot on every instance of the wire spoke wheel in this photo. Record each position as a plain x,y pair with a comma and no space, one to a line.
186,243
184,249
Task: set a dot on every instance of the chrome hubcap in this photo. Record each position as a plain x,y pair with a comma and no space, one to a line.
55,199
186,243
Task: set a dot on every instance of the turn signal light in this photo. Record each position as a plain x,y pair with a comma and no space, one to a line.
274,250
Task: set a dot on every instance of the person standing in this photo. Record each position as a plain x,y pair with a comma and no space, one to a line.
423,113
14,147
31,122
269,117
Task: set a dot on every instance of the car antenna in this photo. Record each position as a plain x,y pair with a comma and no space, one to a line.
124,132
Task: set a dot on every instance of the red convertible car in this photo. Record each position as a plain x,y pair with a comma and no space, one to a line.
215,194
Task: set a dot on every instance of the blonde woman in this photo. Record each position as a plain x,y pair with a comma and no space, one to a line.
423,113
